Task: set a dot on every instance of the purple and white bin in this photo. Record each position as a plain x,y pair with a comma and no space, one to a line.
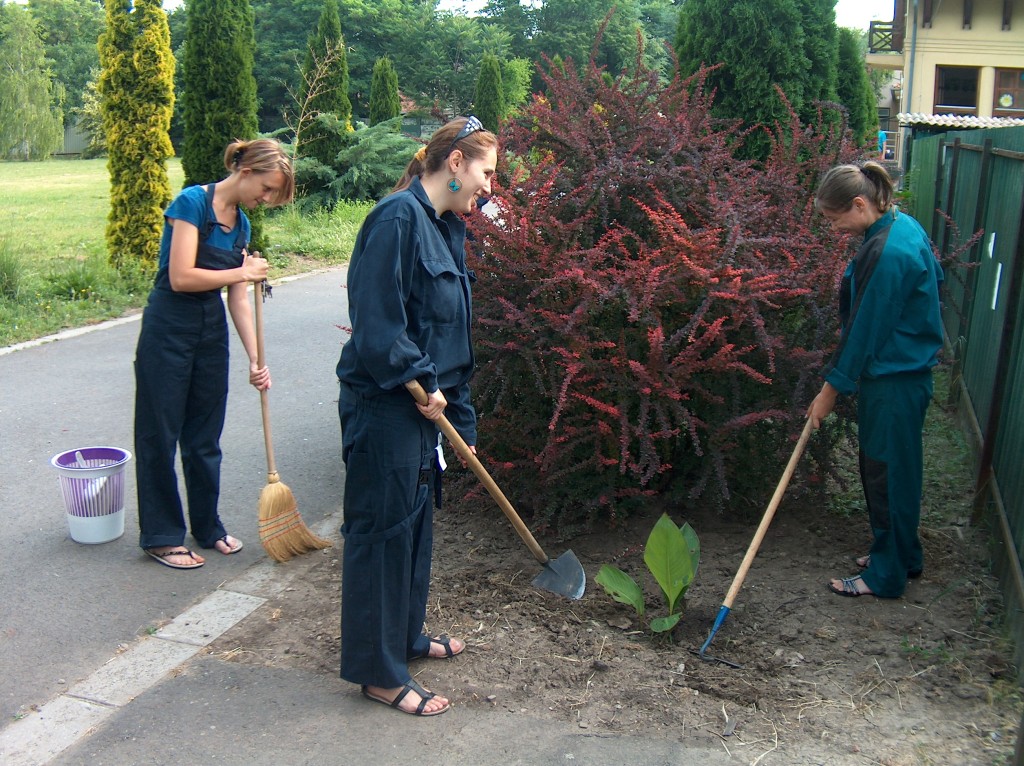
92,482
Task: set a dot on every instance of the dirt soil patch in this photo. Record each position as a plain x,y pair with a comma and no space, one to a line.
923,679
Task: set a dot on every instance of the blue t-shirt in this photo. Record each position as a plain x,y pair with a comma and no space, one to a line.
191,206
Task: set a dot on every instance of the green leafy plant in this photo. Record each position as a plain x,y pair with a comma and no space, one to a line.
672,554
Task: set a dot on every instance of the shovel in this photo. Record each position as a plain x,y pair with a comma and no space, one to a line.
762,528
563,576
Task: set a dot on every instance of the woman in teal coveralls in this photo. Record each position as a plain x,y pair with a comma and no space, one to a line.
410,310
890,341
181,362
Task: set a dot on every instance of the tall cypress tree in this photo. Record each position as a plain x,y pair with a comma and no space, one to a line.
218,88
385,103
760,44
136,89
821,47
490,94
854,89
218,91
325,85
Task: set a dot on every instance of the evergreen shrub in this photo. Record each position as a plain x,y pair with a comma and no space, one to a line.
651,314
370,162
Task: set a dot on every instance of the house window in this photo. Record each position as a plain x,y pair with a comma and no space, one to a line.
956,90
1008,98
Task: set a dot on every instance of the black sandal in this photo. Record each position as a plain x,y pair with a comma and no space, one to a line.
409,686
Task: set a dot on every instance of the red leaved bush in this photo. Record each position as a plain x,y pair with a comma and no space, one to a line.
651,313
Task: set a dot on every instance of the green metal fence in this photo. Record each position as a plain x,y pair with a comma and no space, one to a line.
963,182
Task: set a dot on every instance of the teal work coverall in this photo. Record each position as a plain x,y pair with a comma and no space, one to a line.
891,337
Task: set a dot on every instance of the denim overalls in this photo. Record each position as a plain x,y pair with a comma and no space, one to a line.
181,374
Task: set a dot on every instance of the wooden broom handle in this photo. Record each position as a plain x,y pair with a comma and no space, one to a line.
481,473
268,441
768,514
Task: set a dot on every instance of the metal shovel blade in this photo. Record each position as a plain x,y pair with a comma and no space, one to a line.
563,576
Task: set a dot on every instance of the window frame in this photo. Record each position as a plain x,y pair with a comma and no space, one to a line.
1016,91
960,109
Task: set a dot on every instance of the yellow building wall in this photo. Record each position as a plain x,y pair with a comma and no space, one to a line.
946,43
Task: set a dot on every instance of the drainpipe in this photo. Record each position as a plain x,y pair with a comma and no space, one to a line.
909,90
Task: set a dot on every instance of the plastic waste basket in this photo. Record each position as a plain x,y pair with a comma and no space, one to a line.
92,482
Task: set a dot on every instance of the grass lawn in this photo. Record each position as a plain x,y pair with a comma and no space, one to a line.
53,259
58,208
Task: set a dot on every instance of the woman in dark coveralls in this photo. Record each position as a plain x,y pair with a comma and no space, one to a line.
181,362
890,341
409,302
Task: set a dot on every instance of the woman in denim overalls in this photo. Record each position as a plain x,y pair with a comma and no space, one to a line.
181,362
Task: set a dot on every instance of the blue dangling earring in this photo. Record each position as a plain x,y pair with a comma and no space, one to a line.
454,185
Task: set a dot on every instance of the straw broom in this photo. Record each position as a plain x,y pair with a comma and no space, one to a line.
282,531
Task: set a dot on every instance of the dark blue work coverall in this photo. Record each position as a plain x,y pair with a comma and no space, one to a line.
891,337
181,383
410,310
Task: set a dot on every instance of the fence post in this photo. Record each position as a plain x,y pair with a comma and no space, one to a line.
950,196
980,213
940,173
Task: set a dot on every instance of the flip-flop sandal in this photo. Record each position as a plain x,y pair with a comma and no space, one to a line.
162,558
410,686
230,550
849,588
865,561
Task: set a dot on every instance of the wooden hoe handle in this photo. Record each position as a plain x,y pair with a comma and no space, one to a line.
481,473
768,515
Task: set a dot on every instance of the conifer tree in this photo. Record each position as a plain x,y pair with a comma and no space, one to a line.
136,89
385,103
854,90
490,94
326,54
821,47
218,87
218,91
760,45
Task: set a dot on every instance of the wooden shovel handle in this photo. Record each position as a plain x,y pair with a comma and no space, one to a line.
481,473
268,441
768,515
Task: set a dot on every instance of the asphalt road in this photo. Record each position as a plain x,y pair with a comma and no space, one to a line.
66,607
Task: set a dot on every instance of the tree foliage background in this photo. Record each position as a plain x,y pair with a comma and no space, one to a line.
489,104
31,123
854,88
219,90
327,91
760,46
70,30
437,54
385,102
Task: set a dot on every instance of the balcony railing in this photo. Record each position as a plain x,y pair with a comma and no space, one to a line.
886,37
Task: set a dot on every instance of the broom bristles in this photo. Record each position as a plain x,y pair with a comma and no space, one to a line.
282,530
